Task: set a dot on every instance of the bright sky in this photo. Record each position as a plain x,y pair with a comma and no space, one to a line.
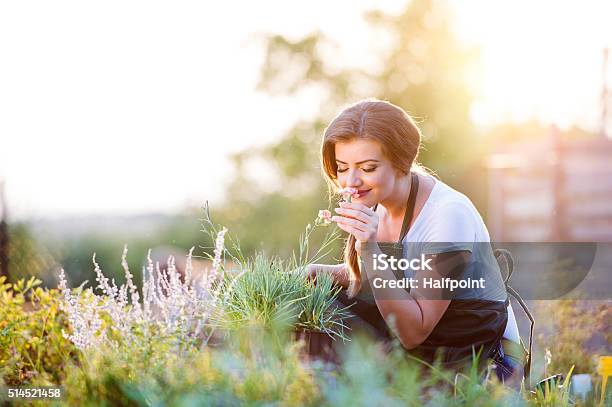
133,106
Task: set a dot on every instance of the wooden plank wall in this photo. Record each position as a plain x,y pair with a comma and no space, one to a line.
557,191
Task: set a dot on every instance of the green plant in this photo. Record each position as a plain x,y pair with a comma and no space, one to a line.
371,376
574,323
552,393
244,372
146,353
276,294
255,366
33,349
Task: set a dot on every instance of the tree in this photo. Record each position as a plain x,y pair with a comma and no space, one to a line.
425,71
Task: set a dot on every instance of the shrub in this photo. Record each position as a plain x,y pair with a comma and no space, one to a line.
119,347
259,374
172,309
275,294
32,347
581,331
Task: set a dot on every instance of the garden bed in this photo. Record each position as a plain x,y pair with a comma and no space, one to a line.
253,335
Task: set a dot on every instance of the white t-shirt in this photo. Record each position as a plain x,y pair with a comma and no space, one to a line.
448,216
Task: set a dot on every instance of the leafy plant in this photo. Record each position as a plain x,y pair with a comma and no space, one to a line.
32,347
261,373
121,347
581,331
173,307
553,393
276,294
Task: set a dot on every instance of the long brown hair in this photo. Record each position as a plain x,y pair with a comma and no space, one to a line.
370,119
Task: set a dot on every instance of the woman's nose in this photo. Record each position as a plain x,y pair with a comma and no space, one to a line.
353,179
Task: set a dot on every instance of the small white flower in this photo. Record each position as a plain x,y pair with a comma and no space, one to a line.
324,217
349,192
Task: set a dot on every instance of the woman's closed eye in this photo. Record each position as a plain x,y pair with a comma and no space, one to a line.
370,169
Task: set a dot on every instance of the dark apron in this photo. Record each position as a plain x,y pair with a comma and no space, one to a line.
466,328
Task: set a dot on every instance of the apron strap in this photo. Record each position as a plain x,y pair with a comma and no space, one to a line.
409,214
414,188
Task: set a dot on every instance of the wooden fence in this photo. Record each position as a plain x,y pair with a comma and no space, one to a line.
553,190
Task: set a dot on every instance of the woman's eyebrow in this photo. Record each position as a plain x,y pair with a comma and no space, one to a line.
360,162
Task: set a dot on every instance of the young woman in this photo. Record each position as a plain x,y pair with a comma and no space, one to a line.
372,147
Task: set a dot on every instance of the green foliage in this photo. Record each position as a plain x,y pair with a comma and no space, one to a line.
277,294
259,362
369,376
32,348
581,333
425,70
254,366
235,375
27,255
553,393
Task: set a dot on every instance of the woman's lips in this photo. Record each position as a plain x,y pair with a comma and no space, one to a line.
363,192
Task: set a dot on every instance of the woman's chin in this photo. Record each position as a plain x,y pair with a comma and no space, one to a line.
366,200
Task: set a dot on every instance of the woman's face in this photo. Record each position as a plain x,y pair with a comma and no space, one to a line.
362,165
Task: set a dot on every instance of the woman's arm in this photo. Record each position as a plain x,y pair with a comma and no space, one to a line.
337,271
413,316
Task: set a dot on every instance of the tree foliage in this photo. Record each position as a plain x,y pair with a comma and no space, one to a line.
426,71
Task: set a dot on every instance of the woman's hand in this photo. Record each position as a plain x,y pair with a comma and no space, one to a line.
337,272
358,220
311,272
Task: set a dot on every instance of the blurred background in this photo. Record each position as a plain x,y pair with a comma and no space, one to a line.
120,120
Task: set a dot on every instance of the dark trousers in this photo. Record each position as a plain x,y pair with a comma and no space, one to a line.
364,318
508,370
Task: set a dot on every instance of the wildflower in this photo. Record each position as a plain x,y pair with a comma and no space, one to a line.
82,315
324,217
547,360
348,193
169,308
213,274
548,356
130,284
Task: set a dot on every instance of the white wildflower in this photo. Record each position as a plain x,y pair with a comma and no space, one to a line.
179,309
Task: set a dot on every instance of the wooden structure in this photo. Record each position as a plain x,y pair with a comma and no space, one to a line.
551,191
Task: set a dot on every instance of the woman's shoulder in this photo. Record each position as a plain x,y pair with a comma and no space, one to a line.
452,204
448,215
444,196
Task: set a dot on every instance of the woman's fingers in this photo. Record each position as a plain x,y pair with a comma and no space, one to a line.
350,222
358,207
311,272
353,214
352,230
358,220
